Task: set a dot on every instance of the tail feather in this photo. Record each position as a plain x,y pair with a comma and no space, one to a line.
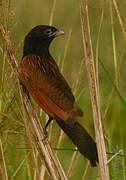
82,140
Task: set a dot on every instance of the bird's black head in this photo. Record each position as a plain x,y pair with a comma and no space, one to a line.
37,41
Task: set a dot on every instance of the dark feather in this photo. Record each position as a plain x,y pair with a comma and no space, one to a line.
40,75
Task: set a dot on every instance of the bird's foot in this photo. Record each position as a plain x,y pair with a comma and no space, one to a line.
45,132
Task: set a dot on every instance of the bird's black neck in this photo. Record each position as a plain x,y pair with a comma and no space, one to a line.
36,48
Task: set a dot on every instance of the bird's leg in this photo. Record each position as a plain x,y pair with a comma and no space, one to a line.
25,90
48,122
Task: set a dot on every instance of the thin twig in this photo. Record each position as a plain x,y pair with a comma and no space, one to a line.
114,156
94,92
97,48
85,171
52,12
62,65
3,159
30,138
109,103
59,139
65,50
114,44
71,163
50,159
78,77
42,173
120,19
18,169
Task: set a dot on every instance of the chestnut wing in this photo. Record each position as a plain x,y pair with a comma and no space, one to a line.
42,74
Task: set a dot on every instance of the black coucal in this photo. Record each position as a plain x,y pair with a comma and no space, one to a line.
40,75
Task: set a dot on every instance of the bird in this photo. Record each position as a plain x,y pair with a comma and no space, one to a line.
39,74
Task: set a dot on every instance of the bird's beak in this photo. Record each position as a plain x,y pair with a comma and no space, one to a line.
58,33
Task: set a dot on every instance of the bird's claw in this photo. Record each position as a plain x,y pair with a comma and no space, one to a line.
46,133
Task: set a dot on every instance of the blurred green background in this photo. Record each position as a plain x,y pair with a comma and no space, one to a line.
24,15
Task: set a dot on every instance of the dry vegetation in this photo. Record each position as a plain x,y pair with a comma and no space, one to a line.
94,47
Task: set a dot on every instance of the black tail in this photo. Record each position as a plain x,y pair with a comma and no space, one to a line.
82,140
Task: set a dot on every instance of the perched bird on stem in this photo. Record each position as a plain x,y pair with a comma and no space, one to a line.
40,75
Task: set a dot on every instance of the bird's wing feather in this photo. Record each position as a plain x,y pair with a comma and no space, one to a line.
41,74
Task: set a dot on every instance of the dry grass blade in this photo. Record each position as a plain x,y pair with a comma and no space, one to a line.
109,103
120,151
97,48
85,171
66,49
60,139
78,77
114,45
30,141
4,163
50,159
62,65
94,92
52,12
18,169
120,19
42,173
71,163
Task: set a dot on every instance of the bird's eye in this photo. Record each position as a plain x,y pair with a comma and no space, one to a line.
48,31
